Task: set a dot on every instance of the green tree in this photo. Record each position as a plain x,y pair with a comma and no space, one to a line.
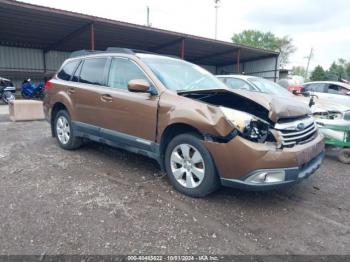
318,74
298,70
347,70
267,40
338,69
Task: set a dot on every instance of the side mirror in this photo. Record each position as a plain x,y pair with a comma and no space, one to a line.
348,93
139,85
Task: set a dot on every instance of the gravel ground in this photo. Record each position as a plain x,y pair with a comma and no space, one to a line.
100,200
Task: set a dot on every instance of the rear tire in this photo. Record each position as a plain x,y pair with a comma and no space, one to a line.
64,131
190,167
8,97
344,156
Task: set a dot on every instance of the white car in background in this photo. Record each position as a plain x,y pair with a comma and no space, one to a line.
332,91
325,109
254,84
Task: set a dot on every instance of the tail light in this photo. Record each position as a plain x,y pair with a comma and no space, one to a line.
48,84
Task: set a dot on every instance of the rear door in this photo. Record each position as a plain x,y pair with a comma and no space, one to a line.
132,116
89,85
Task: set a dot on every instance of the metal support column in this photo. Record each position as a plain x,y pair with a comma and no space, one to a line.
44,62
183,48
238,56
92,36
276,66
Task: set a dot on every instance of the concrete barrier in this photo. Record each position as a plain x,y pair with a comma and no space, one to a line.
24,110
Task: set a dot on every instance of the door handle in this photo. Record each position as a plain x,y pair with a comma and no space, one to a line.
71,91
106,98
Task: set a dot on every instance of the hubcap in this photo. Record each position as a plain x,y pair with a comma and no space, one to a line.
187,165
9,96
63,130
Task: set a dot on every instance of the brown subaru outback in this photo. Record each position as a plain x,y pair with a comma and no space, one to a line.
201,133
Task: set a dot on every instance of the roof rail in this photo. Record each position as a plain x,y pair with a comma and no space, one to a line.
109,50
120,50
127,50
83,52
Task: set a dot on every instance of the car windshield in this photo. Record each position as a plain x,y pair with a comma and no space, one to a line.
266,86
179,75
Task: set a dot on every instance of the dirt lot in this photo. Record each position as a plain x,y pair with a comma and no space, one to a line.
100,200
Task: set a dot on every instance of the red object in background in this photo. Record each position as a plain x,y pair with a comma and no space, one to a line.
48,84
297,88
344,81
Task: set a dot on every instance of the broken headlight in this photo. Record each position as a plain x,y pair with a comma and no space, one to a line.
249,126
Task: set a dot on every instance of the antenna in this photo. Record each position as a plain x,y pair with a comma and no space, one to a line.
148,23
217,2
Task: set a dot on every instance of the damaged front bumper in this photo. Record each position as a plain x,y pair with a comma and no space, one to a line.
275,178
245,164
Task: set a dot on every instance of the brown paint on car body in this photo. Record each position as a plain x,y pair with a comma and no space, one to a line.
240,156
147,116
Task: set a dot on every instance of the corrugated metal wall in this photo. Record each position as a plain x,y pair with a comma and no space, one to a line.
30,59
19,63
54,59
262,68
21,58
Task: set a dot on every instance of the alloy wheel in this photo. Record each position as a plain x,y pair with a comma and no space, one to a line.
187,165
63,130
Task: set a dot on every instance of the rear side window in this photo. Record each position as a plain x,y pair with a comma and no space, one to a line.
122,71
68,70
317,87
92,71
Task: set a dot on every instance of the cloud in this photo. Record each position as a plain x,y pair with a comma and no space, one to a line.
300,13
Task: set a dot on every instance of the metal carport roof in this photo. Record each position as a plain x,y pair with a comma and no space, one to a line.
33,26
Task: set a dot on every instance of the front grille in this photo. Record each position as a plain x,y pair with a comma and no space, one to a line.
296,132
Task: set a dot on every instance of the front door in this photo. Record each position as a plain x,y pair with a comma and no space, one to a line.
127,115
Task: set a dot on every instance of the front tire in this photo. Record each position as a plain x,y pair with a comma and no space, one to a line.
190,167
64,132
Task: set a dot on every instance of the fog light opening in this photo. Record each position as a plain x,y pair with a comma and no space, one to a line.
267,177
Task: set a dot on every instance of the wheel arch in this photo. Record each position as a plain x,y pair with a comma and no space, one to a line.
170,132
58,106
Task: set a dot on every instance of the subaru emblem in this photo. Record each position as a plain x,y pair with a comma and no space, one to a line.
300,126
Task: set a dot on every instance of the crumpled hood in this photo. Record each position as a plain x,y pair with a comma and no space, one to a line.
278,106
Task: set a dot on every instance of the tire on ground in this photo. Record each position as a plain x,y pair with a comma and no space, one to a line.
344,156
74,142
211,180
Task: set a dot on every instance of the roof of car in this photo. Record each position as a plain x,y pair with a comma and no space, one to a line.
127,53
347,86
243,77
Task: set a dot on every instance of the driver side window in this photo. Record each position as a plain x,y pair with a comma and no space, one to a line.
334,89
122,70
